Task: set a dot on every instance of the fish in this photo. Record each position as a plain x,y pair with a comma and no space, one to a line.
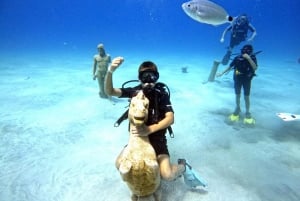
207,12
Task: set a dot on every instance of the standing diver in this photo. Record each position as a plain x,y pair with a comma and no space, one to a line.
244,66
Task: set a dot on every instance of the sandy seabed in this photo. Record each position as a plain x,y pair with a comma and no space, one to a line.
58,141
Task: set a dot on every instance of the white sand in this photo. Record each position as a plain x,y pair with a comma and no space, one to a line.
58,141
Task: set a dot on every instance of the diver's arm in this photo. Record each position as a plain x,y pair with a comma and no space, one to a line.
224,33
252,63
162,124
109,89
224,72
253,33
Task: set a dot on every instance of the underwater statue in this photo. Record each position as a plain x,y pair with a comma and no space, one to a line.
137,162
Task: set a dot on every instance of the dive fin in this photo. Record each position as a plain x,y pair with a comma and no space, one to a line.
192,178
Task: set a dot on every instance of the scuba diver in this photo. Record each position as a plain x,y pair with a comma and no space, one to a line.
161,116
239,32
244,66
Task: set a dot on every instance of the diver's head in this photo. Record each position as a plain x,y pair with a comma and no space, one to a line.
247,49
242,19
148,72
148,75
101,50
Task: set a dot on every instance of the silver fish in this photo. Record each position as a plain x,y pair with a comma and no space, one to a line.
207,12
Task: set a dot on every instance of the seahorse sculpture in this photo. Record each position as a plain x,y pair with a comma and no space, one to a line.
137,162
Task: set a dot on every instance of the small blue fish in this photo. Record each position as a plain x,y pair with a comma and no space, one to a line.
207,12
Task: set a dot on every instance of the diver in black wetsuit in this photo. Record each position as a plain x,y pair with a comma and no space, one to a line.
239,31
244,66
161,116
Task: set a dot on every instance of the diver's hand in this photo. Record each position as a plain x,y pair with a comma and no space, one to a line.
94,77
222,40
140,130
246,56
116,62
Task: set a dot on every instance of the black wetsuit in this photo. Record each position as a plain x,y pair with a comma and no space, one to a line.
239,33
159,105
243,74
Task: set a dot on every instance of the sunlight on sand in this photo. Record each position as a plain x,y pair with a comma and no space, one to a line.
58,141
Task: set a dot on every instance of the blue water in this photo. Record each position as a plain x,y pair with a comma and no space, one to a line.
57,141
148,26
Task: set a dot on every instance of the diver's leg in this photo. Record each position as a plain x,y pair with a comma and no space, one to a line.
247,87
233,42
169,171
237,90
237,104
226,57
247,104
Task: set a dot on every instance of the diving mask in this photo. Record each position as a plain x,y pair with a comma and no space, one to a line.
148,76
